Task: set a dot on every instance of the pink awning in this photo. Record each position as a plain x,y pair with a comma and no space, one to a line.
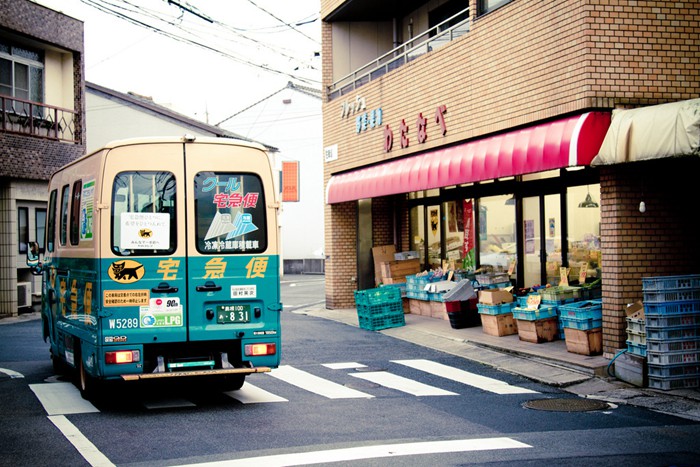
569,142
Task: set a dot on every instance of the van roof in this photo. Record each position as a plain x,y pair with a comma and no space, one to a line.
180,139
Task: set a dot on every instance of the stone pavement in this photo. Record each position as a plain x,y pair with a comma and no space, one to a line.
549,363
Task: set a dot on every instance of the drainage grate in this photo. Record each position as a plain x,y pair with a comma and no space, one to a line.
566,405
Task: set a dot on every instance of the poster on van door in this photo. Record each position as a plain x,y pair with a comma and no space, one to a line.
145,230
87,202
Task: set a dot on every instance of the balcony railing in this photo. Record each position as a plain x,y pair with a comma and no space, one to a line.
431,39
36,119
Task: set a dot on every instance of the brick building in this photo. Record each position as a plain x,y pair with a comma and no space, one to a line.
41,129
442,114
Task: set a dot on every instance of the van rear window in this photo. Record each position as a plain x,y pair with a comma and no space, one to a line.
144,215
230,213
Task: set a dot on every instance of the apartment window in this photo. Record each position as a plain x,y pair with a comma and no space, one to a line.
489,5
23,228
21,75
40,227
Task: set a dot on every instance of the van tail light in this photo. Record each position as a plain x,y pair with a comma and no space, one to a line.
256,350
122,356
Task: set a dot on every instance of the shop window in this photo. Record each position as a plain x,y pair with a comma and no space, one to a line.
40,227
552,242
23,229
497,241
583,206
417,223
433,237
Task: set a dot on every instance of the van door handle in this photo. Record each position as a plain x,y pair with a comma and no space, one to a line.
208,286
164,287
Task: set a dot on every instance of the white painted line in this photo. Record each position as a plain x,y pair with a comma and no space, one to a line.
249,394
86,449
315,384
465,377
344,365
61,399
372,452
402,384
11,373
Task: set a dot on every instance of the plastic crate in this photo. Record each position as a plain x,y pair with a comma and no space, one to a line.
673,333
501,309
591,293
637,349
654,284
680,382
636,325
493,278
667,308
560,293
417,281
581,323
666,358
663,321
583,309
665,371
378,296
543,312
673,345
500,285
376,317
417,295
637,338
679,295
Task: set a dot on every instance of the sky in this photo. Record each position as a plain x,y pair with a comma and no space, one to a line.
227,54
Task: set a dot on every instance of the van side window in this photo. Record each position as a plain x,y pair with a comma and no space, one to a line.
65,192
144,217
230,212
51,222
75,213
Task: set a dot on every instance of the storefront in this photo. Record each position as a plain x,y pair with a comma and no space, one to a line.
518,194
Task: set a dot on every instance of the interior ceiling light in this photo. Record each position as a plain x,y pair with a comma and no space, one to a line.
588,202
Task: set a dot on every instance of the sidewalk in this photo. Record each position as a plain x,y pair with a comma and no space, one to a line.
549,363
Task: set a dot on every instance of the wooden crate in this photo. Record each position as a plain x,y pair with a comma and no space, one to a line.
539,330
438,310
425,309
584,341
499,325
414,306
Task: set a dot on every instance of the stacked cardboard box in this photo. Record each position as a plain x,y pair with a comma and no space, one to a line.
495,308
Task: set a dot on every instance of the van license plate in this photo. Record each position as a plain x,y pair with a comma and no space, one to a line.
233,314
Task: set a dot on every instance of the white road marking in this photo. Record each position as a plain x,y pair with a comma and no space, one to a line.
344,365
465,377
372,452
315,384
249,394
61,399
86,449
11,373
402,384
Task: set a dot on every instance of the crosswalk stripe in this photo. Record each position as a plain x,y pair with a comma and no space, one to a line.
344,365
61,399
249,394
402,384
315,384
465,377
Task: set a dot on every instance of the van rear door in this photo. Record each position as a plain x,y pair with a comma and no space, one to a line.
143,267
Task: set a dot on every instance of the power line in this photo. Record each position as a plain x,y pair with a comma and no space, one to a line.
282,21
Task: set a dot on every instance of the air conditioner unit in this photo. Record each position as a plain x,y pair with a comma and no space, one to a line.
24,294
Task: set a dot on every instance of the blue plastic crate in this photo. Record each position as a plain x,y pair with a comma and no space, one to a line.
664,283
637,349
669,308
678,295
543,312
560,294
501,309
583,309
377,296
581,323
420,295
377,310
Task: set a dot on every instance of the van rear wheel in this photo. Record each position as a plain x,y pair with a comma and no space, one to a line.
231,382
86,383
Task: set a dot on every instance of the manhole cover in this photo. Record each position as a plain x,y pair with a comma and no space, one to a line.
566,405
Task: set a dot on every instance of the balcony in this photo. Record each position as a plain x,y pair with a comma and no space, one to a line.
430,40
36,119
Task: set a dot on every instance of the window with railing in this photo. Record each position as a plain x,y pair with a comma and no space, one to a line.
441,34
21,72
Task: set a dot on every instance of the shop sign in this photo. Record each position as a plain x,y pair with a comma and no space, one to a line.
366,120
421,129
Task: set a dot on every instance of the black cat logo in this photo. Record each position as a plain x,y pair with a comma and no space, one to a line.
127,271
145,233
